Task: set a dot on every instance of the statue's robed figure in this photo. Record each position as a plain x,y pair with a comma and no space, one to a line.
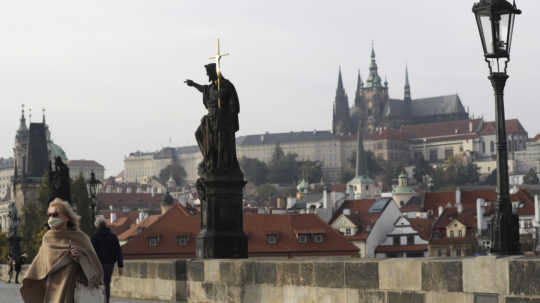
216,134
221,181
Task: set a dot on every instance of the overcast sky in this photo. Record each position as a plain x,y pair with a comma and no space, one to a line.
110,73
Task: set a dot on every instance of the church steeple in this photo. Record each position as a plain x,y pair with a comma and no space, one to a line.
340,91
359,87
407,92
341,118
361,164
22,124
374,80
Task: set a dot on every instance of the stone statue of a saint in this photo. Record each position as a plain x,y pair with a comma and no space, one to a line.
59,182
216,134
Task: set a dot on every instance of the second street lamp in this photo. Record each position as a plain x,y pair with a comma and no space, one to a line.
92,191
495,20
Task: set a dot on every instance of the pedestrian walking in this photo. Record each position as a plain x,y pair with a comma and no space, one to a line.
66,263
18,266
11,263
109,252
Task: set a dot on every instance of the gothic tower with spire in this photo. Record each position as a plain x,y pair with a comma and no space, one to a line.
370,98
21,145
341,117
407,89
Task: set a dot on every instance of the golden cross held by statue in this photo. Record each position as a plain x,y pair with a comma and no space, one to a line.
217,57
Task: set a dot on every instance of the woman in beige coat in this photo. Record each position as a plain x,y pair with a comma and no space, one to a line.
66,257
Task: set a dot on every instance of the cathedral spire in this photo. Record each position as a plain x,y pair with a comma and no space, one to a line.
374,80
407,92
340,91
22,125
361,165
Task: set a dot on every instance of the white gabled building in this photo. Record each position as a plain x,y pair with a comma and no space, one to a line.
406,239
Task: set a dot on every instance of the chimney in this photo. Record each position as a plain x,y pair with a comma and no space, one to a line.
536,210
470,126
347,212
325,199
479,214
458,197
113,217
441,209
333,199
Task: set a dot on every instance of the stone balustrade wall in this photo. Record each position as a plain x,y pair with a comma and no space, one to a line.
414,280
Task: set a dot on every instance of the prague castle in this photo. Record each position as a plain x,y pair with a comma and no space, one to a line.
374,108
399,130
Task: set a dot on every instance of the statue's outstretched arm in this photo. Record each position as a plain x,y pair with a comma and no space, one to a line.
194,84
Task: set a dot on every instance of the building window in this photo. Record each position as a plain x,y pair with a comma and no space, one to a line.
448,153
348,232
460,234
302,238
483,147
396,240
271,238
448,252
182,240
451,234
318,238
433,155
458,252
491,146
439,252
418,155
153,241
379,146
410,239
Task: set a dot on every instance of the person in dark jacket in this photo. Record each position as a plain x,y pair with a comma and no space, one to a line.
108,250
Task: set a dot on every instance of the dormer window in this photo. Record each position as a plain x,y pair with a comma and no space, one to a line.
318,238
153,241
302,238
348,232
182,240
271,238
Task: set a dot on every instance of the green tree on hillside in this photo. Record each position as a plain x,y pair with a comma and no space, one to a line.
175,170
254,170
82,203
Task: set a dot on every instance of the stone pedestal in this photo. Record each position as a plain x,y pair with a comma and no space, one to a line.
222,234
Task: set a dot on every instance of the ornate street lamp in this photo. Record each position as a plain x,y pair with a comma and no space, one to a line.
495,20
92,191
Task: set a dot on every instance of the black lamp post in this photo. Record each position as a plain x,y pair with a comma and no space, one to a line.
92,190
495,20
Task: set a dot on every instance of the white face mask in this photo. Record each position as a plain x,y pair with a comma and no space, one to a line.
54,222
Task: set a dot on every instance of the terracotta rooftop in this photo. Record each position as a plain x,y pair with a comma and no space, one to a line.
286,227
513,126
440,129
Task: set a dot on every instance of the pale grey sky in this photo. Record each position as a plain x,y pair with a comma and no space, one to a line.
110,72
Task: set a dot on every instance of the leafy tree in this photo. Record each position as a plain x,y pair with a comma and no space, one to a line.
421,168
346,175
34,220
373,165
390,174
255,171
277,155
82,202
175,170
455,172
266,192
311,170
283,169
531,177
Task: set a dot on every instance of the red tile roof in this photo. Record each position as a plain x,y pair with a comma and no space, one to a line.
340,188
422,226
360,216
513,126
440,129
174,223
135,229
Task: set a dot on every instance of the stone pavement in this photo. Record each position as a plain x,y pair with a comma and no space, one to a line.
9,293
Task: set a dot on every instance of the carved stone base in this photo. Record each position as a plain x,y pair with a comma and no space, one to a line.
222,234
505,234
